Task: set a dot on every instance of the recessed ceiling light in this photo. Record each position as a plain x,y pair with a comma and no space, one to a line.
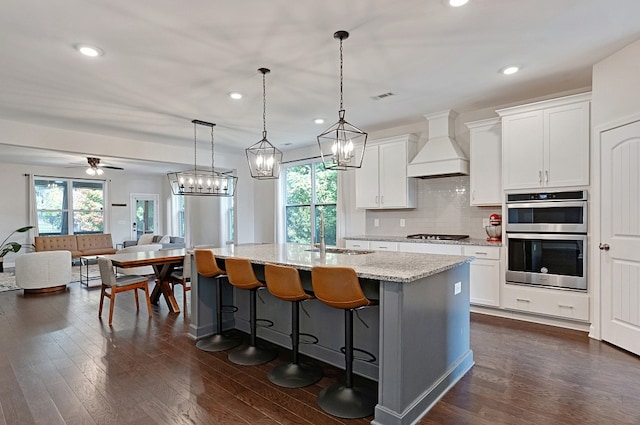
510,70
235,95
88,50
458,3
318,121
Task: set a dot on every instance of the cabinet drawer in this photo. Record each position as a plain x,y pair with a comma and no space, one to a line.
482,252
430,248
383,246
570,305
357,244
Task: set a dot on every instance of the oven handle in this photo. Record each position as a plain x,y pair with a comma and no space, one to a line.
548,204
548,236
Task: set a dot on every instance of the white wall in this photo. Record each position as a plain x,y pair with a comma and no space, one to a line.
616,86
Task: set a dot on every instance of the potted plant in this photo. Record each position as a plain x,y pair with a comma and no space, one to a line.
7,247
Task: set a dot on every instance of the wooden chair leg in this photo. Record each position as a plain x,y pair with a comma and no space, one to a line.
147,297
112,301
101,301
184,297
135,295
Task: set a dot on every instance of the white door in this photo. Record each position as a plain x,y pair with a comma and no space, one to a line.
144,215
620,236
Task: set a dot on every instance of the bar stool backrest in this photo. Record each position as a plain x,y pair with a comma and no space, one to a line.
206,263
338,287
284,282
240,273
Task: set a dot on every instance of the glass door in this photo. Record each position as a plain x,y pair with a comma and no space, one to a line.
144,215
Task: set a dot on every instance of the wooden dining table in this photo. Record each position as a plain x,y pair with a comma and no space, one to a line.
163,261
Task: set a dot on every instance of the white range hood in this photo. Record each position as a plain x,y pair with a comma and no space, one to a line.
441,156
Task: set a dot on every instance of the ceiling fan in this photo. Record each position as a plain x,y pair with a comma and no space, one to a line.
95,167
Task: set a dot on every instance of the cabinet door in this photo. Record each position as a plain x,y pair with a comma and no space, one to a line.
567,145
367,193
522,149
484,277
486,164
430,248
393,175
383,246
351,244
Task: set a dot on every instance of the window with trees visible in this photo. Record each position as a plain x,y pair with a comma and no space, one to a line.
66,207
310,190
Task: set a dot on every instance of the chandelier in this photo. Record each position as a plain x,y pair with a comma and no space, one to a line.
342,136
264,158
202,182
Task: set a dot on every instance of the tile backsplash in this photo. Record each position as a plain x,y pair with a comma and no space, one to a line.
442,207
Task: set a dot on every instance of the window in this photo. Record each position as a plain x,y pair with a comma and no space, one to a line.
180,210
310,190
66,207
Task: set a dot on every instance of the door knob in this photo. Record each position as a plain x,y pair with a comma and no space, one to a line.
604,247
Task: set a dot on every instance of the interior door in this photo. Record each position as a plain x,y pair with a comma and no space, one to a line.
144,215
620,236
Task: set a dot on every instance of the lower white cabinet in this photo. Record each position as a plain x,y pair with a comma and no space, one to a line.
383,246
349,244
430,248
553,302
484,274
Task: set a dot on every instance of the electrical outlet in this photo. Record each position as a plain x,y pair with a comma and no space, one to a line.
457,288
376,222
402,222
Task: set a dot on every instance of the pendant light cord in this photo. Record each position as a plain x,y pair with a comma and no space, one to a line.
264,106
195,149
212,163
341,107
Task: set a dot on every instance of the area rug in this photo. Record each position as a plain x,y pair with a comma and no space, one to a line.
8,279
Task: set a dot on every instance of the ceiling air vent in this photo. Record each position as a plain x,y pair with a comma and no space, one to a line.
382,96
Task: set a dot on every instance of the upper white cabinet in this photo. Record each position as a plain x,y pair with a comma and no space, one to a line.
546,144
486,163
382,181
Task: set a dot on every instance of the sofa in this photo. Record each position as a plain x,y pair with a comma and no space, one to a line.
167,242
41,272
78,245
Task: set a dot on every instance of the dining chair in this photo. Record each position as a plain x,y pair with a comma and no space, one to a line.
112,285
182,276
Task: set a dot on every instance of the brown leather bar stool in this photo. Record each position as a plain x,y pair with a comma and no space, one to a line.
339,287
207,267
284,283
241,275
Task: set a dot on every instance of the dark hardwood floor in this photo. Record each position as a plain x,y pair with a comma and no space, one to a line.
60,365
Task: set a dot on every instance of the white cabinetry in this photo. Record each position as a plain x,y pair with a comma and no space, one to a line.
546,144
382,182
430,248
553,302
484,274
486,163
349,244
383,246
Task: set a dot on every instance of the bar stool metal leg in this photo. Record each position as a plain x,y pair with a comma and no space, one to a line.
343,399
295,374
251,354
218,341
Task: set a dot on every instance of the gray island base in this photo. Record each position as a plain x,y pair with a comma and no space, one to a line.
415,342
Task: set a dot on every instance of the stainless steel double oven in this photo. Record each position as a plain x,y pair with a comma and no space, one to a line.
547,239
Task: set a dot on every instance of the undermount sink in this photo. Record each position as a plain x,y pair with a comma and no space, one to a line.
341,251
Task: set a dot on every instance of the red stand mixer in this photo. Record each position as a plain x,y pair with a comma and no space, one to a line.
494,230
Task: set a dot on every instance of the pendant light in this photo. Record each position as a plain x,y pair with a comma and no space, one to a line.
344,137
202,182
264,159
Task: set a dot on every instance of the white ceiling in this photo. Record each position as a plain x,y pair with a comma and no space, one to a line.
167,62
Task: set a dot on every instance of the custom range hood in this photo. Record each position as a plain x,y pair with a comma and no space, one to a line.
441,156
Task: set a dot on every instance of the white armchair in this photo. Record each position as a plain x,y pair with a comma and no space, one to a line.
45,271
144,270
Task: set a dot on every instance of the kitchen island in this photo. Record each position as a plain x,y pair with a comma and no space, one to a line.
415,342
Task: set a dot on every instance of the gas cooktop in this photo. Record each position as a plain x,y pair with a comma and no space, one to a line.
436,237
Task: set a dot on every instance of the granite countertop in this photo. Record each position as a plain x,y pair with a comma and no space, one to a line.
377,265
468,241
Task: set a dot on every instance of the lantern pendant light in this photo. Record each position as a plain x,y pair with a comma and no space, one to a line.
343,136
264,159
202,182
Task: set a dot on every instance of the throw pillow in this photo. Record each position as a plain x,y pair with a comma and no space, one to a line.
165,239
145,239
